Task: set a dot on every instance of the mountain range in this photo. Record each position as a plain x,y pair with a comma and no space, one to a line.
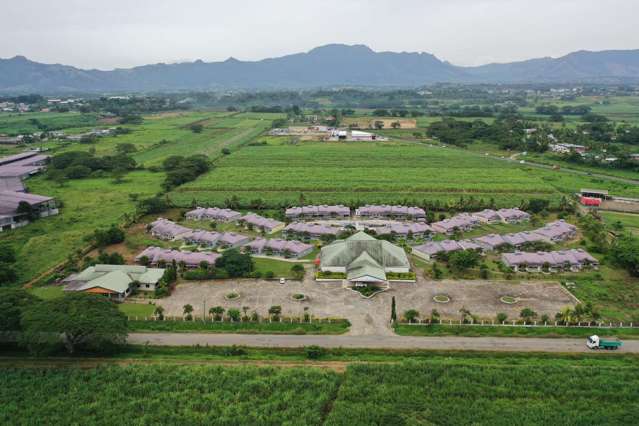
332,65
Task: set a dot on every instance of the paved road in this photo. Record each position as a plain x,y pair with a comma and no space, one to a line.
507,344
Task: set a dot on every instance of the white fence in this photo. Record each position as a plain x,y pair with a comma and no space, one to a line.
514,323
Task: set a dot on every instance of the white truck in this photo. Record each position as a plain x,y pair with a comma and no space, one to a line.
594,342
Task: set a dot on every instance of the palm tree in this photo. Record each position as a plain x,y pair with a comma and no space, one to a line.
159,312
187,309
216,312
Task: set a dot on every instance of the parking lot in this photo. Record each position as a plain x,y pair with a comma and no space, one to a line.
371,316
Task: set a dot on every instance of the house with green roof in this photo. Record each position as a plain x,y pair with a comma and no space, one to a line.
364,259
114,281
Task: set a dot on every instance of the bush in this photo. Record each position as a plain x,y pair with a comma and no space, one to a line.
236,264
314,352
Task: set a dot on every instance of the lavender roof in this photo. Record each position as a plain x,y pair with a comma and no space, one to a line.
487,214
513,214
261,222
460,221
553,258
202,237
374,210
321,210
157,254
231,238
446,246
557,230
312,229
213,213
294,247
168,228
403,228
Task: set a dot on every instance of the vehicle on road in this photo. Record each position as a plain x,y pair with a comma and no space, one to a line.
594,342
282,280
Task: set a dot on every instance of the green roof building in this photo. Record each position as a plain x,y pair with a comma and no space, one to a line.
363,258
114,281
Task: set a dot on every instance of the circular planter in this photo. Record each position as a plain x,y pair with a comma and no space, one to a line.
298,297
232,296
508,300
441,298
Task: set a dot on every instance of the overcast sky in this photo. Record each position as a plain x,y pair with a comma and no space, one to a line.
125,33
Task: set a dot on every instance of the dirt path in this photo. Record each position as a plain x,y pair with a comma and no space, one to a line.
11,362
499,344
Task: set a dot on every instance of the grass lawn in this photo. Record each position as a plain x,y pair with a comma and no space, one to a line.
280,268
478,331
335,327
88,204
137,309
628,220
47,292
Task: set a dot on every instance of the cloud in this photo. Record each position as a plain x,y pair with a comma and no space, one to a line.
124,33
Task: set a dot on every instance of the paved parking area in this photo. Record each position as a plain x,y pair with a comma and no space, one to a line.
371,316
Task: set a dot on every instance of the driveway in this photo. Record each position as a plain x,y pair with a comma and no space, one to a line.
370,317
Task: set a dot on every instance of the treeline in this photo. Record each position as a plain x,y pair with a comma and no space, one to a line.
180,170
564,110
81,164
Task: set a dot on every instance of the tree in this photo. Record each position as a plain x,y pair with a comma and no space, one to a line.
463,259
436,272
466,316
275,311
25,209
527,314
434,316
216,312
314,352
234,314
78,321
187,310
12,302
236,264
624,252
298,271
484,273
501,317
125,148
197,128
411,315
226,151
393,310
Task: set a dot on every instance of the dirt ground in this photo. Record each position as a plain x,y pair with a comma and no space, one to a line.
371,316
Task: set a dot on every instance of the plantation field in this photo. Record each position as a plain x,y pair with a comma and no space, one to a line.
363,173
498,394
432,388
358,173
148,395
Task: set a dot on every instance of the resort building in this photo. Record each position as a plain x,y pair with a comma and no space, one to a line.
557,231
114,281
390,212
572,260
262,223
318,212
165,229
461,222
230,240
513,215
405,230
488,216
277,247
307,230
433,249
13,170
159,256
364,259
201,238
518,239
213,213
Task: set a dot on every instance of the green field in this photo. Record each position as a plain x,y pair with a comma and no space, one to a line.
360,173
550,332
443,389
628,220
148,395
70,122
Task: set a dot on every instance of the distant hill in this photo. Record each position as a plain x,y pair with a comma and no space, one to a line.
326,66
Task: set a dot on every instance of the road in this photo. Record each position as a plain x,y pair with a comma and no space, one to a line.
502,344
